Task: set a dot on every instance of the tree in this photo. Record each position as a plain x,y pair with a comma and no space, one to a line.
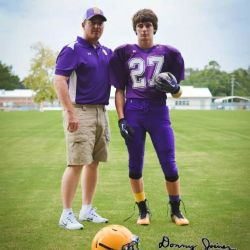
213,65
40,77
241,80
220,83
8,80
211,77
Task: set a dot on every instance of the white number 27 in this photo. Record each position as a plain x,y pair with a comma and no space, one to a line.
137,69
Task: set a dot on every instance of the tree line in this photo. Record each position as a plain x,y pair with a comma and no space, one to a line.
220,83
41,73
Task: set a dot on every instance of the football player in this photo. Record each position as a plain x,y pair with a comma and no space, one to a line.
141,108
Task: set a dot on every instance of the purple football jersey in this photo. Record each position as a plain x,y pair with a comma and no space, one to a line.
87,68
133,68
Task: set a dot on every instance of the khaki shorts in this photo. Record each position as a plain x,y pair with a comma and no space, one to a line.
90,141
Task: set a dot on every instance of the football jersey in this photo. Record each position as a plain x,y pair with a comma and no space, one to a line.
133,69
87,68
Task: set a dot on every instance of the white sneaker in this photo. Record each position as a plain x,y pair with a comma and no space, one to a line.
69,222
92,215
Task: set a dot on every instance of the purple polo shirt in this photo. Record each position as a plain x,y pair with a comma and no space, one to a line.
133,68
87,68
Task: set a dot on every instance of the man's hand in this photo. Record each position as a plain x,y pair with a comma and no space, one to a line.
126,130
73,123
61,87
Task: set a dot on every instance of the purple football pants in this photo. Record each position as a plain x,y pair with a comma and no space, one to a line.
150,116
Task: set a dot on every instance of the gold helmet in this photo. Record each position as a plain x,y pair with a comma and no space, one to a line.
115,237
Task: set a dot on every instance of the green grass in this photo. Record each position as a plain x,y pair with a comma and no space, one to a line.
213,156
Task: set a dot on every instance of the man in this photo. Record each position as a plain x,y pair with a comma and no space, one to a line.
143,109
82,86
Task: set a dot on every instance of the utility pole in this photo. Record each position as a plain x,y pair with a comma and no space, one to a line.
232,85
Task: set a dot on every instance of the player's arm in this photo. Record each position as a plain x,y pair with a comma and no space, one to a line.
61,87
126,130
178,71
119,103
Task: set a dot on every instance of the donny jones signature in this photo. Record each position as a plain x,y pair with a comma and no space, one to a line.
206,244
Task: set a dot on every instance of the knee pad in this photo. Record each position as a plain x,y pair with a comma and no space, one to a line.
135,176
172,178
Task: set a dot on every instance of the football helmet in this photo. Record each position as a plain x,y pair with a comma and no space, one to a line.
167,83
115,237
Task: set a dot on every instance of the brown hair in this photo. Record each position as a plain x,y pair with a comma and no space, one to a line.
145,15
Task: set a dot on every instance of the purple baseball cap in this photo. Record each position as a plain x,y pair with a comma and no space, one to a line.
91,12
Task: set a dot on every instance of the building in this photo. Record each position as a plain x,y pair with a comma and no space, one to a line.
23,99
232,103
17,99
192,98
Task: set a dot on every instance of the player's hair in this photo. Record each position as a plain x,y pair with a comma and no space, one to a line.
145,15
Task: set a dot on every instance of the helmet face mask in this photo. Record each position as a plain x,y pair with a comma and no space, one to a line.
132,245
115,237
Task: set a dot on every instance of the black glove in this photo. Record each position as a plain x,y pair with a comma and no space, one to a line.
126,130
167,83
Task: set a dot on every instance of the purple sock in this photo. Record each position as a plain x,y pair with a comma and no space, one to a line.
174,198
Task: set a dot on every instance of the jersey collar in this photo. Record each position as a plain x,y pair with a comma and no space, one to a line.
86,44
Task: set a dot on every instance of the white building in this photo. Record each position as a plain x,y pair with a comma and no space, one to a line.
192,98
232,103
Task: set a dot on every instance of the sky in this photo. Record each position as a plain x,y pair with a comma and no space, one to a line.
203,30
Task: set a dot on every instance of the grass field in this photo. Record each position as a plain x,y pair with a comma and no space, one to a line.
213,156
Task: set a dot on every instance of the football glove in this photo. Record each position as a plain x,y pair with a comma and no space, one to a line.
126,130
167,83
